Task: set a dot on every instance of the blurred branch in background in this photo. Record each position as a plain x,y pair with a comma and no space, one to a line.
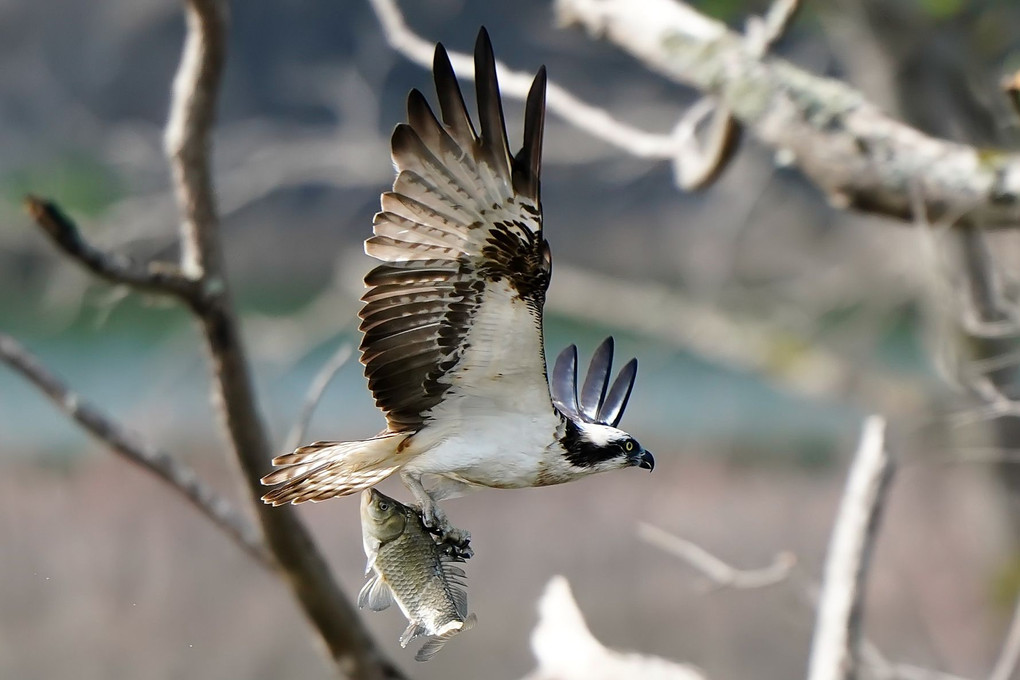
836,649
177,475
593,120
697,159
1006,665
157,277
776,353
315,392
859,157
565,649
721,575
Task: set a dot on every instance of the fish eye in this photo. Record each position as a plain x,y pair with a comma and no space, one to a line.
629,445
384,506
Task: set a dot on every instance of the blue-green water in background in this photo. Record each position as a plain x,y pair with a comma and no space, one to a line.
148,369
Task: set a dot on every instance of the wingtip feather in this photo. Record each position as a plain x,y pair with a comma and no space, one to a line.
490,107
528,161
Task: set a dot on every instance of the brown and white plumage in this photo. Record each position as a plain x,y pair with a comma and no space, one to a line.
452,320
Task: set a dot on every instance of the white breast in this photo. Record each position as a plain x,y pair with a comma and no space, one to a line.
504,450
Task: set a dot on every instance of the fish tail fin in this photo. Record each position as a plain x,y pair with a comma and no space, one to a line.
436,642
327,469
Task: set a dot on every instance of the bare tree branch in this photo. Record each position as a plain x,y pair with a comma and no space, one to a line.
131,446
836,649
1009,657
188,141
315,392
720,573
850,149
699,164
157,277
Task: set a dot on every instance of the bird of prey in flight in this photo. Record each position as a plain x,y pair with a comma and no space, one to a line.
452,323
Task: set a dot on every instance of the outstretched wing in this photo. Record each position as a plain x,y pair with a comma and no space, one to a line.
598,402
456,308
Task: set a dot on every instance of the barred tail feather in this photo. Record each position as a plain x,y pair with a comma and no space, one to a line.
328,469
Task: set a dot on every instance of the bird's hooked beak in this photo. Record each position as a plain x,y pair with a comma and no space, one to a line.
646,461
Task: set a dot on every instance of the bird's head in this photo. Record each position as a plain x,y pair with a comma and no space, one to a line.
596,447
590,439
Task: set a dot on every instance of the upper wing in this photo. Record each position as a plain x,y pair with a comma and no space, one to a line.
458,300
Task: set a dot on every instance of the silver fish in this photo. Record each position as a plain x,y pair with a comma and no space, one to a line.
408,567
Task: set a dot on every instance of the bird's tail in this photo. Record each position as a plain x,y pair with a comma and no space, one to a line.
327,469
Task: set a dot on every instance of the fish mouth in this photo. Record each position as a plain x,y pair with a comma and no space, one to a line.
367,496
646,461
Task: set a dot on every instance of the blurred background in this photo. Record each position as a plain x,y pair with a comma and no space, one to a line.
767,325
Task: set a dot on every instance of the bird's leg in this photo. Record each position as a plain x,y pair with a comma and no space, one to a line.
454,542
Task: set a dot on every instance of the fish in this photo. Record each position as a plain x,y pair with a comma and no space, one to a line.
409,567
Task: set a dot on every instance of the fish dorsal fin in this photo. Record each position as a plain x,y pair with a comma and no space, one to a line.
459,596
454,576
453,570
375,595
412,631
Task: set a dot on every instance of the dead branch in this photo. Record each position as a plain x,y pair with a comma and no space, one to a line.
720,573
836,649
860,157
187,141
131,446
156,277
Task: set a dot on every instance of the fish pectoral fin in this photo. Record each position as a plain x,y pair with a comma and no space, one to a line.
435,643
375,595
412,631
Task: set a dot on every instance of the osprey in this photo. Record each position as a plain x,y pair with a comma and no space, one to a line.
452,324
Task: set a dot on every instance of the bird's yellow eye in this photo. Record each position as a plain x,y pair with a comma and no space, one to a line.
629,446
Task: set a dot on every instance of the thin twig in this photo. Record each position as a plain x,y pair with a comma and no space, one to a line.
131,446
315,392
1009,657
835,651
720,573
156,277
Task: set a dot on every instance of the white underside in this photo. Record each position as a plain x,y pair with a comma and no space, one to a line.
508,450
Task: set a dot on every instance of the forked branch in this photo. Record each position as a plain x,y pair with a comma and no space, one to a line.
162,277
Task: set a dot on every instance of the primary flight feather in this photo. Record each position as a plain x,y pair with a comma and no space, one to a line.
452,322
